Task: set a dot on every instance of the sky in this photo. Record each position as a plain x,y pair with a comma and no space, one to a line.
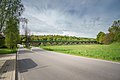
81,18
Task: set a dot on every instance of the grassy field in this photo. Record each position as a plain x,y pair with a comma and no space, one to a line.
7,51
106,52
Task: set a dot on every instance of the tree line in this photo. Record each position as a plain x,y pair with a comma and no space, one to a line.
56,38
112,36
10,12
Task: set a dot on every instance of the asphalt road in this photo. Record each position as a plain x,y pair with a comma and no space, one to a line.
39,64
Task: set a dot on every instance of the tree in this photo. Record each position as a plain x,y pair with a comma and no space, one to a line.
12,33
115,30
100,37
108,38
9,8
112,36
10,11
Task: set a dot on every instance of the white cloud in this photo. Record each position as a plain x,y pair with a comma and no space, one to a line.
68,17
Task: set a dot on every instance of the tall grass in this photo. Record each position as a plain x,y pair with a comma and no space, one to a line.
107,52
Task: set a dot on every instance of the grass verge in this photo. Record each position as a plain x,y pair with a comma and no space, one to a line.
107,52
7,51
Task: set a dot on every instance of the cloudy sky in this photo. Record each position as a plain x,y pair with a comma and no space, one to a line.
82,18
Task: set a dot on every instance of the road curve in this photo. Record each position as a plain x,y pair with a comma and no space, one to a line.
39,64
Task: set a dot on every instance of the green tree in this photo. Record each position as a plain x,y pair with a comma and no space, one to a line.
112,36
12,33
100,37
108,38
10,11
115,30
9,8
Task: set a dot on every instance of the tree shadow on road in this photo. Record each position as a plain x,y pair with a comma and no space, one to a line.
28,64
6,67
25,64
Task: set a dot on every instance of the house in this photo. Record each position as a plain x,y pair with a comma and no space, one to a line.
2,39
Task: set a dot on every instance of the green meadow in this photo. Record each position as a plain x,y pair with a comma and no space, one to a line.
107,52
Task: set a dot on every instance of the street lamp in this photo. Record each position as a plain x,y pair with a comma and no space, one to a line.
26,30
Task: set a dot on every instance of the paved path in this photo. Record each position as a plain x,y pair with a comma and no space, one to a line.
39,64
7,67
